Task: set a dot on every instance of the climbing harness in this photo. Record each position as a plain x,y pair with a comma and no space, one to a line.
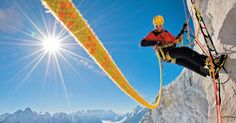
164,55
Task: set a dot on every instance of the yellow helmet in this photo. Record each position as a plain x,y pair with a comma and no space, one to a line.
158,20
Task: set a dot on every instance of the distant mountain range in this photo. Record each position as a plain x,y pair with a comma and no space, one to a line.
84,116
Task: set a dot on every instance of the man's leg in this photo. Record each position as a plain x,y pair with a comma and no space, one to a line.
196,68
188,54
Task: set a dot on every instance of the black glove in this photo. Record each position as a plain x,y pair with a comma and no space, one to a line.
185,26
159,43
184,29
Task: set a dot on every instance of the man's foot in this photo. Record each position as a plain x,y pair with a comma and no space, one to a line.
216,74
219,63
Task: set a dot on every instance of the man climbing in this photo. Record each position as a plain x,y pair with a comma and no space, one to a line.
165,43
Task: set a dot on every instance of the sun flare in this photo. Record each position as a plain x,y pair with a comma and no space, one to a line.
51,44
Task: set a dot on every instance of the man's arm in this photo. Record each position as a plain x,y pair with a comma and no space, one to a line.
180,35
146,43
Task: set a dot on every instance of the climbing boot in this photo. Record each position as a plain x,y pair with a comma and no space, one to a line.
216,74
219,62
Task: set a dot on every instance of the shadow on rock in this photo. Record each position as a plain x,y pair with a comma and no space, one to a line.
227,37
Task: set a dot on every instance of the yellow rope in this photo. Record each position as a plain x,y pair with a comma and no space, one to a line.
72,20
161,79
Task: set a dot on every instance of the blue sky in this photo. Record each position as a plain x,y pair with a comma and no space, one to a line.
29,79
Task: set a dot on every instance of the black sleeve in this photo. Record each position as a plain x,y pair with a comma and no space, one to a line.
182,31
146,43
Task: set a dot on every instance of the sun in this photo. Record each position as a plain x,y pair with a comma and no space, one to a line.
51,44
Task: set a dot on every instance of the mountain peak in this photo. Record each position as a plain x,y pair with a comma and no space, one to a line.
88,116
28,110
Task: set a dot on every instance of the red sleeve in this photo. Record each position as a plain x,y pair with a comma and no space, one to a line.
149,36
171,38
149,40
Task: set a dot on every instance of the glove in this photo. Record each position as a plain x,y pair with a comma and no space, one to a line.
159,43
184,29
185,26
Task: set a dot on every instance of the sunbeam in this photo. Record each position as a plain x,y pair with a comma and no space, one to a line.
46,43
64,86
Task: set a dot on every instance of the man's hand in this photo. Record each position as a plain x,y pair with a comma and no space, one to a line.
159,43
185,26
180,35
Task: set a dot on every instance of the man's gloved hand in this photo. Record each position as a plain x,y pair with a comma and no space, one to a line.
185,26
159,43
180,35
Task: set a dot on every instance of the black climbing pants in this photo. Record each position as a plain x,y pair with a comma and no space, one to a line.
190,59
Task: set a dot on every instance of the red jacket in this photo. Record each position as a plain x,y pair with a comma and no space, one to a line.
153,37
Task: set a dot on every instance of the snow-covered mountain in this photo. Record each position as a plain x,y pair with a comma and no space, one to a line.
84,116
132,117
3,116
190,98
135,116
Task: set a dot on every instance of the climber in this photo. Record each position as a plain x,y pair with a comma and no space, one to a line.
165,43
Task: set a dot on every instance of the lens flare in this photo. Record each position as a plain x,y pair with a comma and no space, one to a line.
51,44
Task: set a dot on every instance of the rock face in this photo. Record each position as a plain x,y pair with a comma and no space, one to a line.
190,98
183,101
